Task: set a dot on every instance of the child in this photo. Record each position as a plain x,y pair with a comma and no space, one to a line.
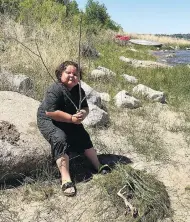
61,124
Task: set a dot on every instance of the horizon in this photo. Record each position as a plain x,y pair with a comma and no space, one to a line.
147,17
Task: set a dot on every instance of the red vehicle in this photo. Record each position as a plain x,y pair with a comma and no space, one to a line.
122,37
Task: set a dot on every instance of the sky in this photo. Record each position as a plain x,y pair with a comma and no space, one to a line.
148,16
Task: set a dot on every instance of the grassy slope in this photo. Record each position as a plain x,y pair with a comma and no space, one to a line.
58,44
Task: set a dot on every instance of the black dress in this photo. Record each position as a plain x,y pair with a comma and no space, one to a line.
63,137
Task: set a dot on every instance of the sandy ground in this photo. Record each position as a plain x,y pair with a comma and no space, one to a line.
88,205
175,171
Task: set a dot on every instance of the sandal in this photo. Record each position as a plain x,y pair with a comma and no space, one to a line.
66,186
104,169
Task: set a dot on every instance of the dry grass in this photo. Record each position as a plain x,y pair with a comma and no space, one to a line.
161,39
143,191
135,129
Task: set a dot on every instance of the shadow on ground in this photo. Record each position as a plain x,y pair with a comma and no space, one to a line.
80,167
82,170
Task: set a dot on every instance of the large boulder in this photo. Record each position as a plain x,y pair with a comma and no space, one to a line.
96,117
22,148
92,95
16,82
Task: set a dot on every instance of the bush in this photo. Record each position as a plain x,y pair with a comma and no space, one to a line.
43,12
9,7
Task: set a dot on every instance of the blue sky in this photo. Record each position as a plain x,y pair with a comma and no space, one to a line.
149,16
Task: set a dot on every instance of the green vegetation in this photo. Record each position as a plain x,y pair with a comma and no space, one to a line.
10,7
50,11
43,12
54,26
96,14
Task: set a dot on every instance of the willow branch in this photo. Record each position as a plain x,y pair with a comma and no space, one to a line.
79,49
23,45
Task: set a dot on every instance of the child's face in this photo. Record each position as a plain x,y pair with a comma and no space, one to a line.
70,77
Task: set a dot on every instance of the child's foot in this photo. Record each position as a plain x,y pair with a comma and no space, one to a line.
68,188
104,169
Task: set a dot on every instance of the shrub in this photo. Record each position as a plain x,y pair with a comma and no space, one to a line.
43,12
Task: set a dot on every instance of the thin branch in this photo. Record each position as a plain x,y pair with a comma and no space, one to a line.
40,55
41,58
129,206
79,48
24,45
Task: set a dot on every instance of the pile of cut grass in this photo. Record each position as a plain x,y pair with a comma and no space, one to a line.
143,191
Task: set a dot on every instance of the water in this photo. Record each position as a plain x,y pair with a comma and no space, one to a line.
177,57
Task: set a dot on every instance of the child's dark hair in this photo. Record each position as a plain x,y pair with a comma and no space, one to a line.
63,66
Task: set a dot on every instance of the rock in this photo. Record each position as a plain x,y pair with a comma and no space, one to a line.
89,51
92,95
97,73
22,148
102,72
143,63
96,117
108,72
170,55
17,83
105,97
133,50
124,100
149,93
130,79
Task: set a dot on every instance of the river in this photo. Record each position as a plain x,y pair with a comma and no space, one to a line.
173,57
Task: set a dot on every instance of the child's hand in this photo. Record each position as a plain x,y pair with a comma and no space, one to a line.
81,114
76,120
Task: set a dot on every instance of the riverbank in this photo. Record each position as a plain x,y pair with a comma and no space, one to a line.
154,138
167,42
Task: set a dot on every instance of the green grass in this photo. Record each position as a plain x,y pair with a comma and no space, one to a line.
175,82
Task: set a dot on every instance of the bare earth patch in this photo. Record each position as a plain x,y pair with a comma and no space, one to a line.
9,133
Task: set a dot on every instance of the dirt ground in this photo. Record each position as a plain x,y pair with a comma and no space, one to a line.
46,203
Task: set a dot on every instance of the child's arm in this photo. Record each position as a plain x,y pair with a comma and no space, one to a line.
63,117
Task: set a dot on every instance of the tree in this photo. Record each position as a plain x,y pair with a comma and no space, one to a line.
96,13
72,8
